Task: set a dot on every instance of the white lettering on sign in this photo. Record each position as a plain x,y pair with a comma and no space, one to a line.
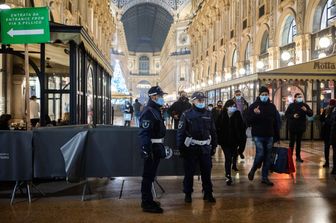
4,156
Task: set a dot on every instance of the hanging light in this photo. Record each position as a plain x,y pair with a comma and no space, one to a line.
228,76
210,82
203,84
242,71
285,56
324,42
260,65
290,63
321,55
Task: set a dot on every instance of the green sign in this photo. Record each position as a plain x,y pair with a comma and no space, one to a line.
25,25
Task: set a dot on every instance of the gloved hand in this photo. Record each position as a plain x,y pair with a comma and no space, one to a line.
146,153
213,151
182,151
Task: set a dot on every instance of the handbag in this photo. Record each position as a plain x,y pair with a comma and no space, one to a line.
282,160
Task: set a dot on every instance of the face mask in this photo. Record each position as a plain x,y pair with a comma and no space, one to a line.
232,109
160,101
209,108
200,105
299,100
264,98
238,97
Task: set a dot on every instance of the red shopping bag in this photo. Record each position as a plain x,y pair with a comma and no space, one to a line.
291,167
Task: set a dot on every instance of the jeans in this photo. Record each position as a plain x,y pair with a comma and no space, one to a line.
295,137
263,155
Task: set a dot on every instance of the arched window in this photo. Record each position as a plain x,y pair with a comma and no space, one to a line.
248,54
264,43
223,64
143,65
234,63
289,31
328,14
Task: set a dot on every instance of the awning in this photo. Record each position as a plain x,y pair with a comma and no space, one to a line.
320,69
78,34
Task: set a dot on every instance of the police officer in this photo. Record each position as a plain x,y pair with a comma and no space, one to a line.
197,142
151,135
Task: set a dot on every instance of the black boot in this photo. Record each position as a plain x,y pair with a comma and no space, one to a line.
234,167
326,165
251,174
151,207
298,159
187,198
229,180
333,172
209,197
267,182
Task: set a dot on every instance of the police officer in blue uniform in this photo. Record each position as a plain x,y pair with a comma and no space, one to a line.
197,142
151,135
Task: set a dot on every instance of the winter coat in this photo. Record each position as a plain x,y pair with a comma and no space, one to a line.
297,124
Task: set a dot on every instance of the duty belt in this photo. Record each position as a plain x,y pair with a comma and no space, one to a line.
190,141
161,140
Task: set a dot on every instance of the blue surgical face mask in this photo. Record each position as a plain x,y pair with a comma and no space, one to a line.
263,98
160,101
200,105
232,109
299,100
238,97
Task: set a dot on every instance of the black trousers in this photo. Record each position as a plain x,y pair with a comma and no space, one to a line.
231,155
148,176
327,151
295,137
190,163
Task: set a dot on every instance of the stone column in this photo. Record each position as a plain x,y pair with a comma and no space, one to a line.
18,105
273,56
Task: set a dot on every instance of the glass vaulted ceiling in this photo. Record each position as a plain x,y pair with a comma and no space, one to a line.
146,27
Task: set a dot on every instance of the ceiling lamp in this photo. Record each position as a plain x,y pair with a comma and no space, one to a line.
242,71
321,55
324,42
260,65
285,56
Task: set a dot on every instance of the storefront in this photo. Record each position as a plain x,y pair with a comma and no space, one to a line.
314,79
75,78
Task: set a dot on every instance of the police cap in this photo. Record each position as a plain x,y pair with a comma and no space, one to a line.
198,95
155,90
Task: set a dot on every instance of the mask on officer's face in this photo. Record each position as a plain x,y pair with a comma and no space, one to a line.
160,101
200,105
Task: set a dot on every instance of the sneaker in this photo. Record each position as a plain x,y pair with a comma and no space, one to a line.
251,175
326,165
229,180
151,207
187,198
299,160
209,197
267,182
333,172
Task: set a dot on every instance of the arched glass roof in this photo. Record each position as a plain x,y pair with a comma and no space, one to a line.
146,27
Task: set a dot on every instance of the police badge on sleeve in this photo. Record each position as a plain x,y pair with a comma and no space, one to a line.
145,124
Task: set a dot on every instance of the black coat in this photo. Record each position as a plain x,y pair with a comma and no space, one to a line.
179,107
325,119
230,130
264,124
297,124
333,128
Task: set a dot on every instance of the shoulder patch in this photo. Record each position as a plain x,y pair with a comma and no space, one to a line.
145,124
180,125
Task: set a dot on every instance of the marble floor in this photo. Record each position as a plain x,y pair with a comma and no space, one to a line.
309,197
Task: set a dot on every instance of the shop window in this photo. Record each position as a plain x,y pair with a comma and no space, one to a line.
234,63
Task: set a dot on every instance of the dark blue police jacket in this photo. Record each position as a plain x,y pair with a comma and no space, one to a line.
151,126
198,124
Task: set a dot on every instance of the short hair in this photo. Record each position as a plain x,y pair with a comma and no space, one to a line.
237,91
136,100
210,105
219,101
297,94
229,103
